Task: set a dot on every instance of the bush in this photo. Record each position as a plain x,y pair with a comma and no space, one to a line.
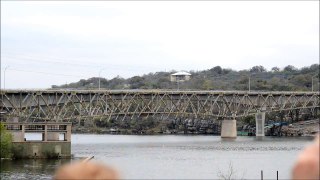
16,151
50,154
249,120
6,143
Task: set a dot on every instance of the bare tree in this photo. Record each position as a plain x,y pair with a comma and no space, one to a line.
229,174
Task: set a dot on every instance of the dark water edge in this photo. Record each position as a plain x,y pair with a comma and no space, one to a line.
30,168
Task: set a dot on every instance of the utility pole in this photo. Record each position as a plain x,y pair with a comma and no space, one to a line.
4,77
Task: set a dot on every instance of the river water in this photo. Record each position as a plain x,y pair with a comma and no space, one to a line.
173,157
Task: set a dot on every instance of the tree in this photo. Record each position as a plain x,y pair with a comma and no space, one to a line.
229,174
275,69
290,68
226,71
207,85
217,70
314,67
303,81
136,82
164,83
6,142
256,69
115,83
249,120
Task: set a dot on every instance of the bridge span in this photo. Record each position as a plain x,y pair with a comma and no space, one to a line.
69,105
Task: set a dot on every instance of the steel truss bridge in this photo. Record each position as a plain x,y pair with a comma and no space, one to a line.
69,105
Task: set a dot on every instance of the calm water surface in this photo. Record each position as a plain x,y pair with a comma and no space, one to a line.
173,157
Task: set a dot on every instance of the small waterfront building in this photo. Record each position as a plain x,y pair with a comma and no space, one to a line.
52,140
180,76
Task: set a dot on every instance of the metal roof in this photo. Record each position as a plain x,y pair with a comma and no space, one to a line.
181,73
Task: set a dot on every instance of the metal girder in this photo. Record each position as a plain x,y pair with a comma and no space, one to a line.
58,105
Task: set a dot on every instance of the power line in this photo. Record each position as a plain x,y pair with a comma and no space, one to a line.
39,72
49,61
67,62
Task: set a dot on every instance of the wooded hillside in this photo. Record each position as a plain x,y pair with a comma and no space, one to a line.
288,78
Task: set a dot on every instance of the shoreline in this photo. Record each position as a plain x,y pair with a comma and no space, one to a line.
214,135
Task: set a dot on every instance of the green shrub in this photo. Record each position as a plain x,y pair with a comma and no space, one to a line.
6,142
50,154
16,151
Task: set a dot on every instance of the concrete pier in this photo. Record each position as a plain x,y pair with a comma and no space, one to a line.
260,121
229,129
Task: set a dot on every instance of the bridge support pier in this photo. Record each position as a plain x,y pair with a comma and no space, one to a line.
260,120
229,129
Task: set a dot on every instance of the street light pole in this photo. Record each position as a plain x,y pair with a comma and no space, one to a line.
100,76
4,77
249,83
312,80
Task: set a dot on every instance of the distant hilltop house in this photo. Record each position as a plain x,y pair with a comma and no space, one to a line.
180,76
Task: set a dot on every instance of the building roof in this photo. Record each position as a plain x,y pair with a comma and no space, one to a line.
181,73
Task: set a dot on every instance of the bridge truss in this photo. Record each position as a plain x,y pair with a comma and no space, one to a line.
61,105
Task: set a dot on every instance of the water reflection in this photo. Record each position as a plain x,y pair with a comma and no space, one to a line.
30,168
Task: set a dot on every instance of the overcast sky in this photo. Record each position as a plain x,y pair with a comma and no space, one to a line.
53,43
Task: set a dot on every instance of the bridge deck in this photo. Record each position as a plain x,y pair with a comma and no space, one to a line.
152,91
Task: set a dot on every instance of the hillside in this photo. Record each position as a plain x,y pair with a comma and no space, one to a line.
287,79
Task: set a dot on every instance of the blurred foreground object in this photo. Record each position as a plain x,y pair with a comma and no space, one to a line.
87,159
307,164
86,170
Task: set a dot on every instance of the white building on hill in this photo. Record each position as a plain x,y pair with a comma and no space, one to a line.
180,76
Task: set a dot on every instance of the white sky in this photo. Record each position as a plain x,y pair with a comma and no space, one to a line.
74,40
